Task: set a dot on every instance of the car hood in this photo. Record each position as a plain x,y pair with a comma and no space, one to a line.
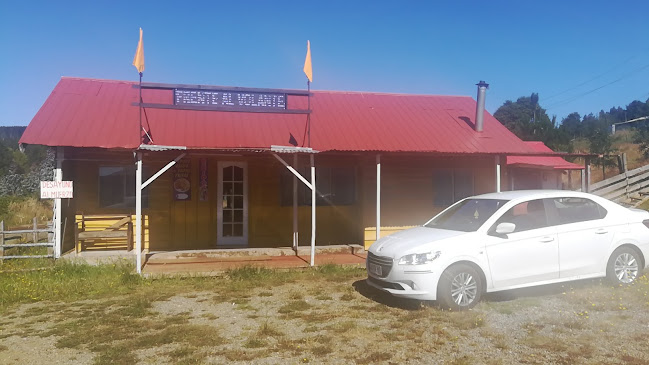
401,243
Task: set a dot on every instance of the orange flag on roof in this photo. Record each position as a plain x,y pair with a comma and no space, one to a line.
138,60
308,69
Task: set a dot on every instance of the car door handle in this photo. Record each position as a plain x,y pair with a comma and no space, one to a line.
601,231
547,239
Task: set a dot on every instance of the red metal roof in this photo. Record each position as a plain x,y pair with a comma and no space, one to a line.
99,113
553,162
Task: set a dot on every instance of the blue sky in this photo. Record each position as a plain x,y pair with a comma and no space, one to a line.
579,56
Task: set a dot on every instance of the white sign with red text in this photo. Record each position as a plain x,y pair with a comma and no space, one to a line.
56,189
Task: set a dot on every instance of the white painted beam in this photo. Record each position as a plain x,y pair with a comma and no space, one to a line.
138,213
378,196
58,176
291,169
497,174
295,223
313,205
163,170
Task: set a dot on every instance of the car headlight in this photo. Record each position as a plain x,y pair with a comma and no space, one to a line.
419,258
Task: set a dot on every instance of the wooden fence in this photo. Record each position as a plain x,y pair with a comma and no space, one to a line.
623,186
16,239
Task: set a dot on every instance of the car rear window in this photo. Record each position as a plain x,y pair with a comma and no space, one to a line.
572,210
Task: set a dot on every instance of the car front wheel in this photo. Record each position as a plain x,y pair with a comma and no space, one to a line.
459,288
623,266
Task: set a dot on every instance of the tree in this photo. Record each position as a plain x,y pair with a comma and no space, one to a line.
601,142
637,109
6,157
525,118
641,137
571,125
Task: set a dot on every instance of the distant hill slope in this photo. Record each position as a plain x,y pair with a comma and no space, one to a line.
11,133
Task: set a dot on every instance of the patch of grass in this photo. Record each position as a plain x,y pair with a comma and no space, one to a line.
296,295
242,355
294,306
3,348
254,343
115,355
374,357
190,334
267,330
322,350
67,281
324,296
341,327
462,360
210,316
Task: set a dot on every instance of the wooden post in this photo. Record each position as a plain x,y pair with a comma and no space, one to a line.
586,182
34,234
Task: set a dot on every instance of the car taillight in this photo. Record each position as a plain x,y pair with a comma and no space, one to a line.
646,223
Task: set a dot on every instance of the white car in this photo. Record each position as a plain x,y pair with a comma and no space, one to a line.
510,240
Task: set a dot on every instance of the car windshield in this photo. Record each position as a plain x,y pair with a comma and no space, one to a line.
467,216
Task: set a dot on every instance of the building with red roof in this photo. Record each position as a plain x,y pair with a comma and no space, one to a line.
538,172
232,167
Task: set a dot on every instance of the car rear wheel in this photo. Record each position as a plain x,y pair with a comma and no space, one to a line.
623,266
460,288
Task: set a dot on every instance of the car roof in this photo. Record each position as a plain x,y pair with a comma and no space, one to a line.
533,194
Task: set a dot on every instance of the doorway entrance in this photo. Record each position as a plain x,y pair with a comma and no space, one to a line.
232,201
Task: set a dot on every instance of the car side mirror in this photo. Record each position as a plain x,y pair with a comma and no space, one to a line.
505,228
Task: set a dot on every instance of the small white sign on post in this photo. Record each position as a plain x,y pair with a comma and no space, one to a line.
56,189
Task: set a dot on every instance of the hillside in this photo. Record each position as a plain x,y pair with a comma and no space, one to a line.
623,143
11,133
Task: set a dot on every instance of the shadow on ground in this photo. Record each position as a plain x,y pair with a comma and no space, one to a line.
378,296
541,290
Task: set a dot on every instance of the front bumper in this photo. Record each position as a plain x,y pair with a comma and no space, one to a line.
413,285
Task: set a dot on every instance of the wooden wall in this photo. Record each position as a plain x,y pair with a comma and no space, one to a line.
407,196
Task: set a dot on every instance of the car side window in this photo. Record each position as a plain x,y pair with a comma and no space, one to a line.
526,216
572,210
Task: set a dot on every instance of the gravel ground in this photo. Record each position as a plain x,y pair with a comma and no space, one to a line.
347,322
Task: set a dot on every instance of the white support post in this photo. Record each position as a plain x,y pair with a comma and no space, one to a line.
378,197
138,213
295,223
497,174
58,176
313,204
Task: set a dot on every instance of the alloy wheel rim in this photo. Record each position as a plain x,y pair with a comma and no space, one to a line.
464,289
626,268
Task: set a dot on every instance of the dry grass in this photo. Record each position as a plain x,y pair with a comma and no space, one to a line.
574,323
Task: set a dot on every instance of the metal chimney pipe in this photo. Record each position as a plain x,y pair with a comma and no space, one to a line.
479,111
